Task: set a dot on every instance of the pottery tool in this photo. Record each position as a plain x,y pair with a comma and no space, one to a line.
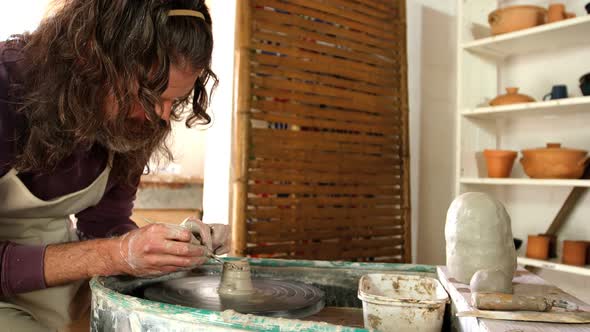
236,290
210,254
510,302
569,317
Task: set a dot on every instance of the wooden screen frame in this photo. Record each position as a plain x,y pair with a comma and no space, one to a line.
244,134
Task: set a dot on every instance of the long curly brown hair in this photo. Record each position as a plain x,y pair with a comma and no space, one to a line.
88,50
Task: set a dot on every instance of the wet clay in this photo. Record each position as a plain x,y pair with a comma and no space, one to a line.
236,279
494,281
478,236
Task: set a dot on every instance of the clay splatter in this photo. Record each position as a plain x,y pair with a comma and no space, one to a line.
374,321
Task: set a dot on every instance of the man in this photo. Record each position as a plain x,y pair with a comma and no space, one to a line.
85,101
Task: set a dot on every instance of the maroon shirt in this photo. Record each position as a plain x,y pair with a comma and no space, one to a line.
21,266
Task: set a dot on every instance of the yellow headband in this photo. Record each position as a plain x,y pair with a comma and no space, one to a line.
186,12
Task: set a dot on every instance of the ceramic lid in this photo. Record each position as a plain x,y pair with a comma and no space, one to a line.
513,7
553,147
511,97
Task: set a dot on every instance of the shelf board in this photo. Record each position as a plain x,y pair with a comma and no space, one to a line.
526,182
559,107
554,265
546,37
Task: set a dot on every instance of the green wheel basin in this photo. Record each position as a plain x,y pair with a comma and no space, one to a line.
117,304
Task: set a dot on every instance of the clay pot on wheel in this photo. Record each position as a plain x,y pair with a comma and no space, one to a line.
538,246
499,162
574,252
554,162
516,18
511,97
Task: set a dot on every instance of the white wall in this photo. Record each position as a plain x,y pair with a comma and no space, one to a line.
20,16
432,81
216,199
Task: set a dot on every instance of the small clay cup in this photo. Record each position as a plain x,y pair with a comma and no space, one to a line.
574,252
236,279
570,15
499,162
556,13
538,246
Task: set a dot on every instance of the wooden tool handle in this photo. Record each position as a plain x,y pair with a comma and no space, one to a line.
509,302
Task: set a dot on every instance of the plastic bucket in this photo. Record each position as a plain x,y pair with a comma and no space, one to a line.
402,302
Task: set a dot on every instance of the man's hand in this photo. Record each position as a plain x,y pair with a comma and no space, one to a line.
158,249
216,237
151,250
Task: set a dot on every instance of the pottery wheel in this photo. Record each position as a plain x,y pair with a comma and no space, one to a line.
273,298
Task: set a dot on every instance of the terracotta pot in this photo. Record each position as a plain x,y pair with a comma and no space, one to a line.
554,162
511,97
556,12
499,162
516,18
574,252
538,246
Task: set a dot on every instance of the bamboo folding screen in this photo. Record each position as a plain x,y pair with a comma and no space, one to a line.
321,164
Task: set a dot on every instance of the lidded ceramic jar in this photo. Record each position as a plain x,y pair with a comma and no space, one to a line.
554,162
514,18
511,97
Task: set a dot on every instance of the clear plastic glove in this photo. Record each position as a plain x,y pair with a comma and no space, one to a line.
160,248
216,237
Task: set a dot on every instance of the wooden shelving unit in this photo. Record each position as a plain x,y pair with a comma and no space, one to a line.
553,36
553,108
555,265
484,62
526,182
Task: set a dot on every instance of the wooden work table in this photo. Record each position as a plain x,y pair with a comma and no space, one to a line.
533,285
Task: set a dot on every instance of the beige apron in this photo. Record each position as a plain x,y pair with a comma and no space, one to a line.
26,219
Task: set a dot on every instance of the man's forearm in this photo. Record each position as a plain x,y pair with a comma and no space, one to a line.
69,262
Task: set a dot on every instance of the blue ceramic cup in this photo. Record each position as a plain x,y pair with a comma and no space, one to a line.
585,84
557,92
